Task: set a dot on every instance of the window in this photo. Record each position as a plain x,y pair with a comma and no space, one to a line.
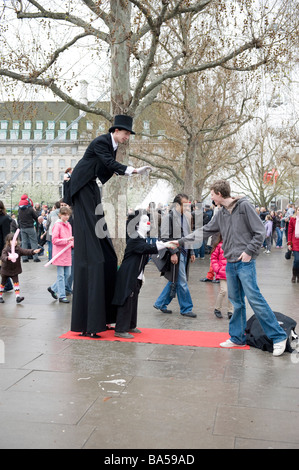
73,163
73,135
14,163
50,176
74,126
50,151
49,135
74,150
62,163
2,162
51,124
63,124
27,150
61,176
2,150
62,150
50,163
38,177
2,176
26,134
26,175
39,125
26,163
27,125
3,134
15,150
4,125
89,125
38,135
61,135
38,163
16,125
101,127
14,134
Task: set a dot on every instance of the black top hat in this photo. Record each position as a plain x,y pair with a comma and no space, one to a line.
122,122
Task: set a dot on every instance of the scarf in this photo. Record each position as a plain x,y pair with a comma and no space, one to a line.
297,227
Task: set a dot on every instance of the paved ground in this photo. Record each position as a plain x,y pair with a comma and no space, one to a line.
74,394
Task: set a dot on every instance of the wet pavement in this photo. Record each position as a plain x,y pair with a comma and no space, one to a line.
88,394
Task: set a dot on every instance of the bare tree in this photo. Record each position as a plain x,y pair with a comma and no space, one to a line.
140,38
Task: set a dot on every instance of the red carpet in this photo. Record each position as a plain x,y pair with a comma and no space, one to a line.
201,339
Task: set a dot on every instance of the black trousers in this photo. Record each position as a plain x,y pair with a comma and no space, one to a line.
95,266
127,313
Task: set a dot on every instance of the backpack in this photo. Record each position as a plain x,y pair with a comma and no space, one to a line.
255,335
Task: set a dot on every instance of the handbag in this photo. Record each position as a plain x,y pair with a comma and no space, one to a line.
288,254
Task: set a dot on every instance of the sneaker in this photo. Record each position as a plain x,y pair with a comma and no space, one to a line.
19,299
2,301
267,252
54,295
64,300
229,344
218,313
279,348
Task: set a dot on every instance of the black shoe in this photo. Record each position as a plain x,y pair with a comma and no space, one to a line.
2,301
205,279
54,295
64,300
19,299
189,314
218,313
25,260
37,260
229,315
164,310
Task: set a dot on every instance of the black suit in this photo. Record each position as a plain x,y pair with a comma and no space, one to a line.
95,261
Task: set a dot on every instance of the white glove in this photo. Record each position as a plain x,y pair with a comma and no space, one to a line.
143,169
172,244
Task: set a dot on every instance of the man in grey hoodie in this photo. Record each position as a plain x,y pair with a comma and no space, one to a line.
243,234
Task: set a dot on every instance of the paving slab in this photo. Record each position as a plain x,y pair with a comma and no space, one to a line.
70,394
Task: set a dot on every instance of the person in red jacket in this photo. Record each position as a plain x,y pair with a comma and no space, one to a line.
293,242
218,262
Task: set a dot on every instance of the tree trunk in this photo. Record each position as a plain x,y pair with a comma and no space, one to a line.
116,189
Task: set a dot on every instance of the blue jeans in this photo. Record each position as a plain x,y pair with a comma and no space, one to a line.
62,284
182,290
279,237
241,282
296,260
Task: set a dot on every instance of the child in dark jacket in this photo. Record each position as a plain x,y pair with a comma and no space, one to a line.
11,267
218,262
130,276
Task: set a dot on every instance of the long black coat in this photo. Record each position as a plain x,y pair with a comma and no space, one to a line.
98,162
95,261
135,259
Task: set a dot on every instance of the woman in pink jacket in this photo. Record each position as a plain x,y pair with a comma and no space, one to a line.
62,237
218,262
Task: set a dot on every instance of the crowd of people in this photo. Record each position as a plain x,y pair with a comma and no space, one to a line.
231,231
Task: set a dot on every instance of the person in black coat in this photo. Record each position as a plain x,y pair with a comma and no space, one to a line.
5,222
95,261
129,278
